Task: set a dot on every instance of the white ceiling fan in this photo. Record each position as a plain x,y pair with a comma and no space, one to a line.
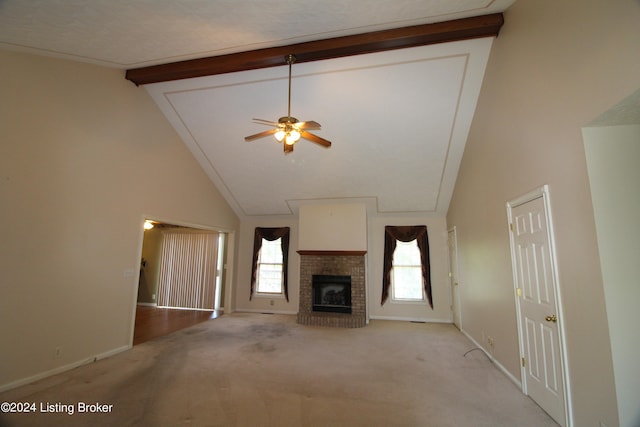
288,129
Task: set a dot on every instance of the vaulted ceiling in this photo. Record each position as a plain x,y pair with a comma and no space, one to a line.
398,119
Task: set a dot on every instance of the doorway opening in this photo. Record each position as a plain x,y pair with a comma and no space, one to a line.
182,278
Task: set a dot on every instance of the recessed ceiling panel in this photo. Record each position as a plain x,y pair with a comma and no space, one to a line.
392,118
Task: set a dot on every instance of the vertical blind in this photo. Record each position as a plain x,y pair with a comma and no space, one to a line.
188,269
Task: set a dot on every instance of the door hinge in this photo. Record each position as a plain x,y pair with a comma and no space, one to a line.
524,362
519,292
511,227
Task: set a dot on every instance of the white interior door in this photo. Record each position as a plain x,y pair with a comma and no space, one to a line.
536,293
453,278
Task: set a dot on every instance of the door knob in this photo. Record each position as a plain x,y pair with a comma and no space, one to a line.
553,318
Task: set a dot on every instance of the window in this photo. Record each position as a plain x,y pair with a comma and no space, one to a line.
406,273
269,280
270,260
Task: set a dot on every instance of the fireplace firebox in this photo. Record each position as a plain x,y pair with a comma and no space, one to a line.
331,293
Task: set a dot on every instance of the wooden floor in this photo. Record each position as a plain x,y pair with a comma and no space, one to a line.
153,322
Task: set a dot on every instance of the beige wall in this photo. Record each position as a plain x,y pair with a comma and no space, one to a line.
333,227
438,257
436,227
150,272
242,289
84,157
613,153
351,219
554,67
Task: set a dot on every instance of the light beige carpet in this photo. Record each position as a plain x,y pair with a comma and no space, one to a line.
266,370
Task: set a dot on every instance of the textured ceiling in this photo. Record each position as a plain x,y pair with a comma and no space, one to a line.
626,112
398,120
135,33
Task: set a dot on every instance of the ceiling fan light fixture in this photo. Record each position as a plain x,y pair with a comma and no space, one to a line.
288,128
292,137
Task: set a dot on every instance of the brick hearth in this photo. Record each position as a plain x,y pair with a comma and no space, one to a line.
343,263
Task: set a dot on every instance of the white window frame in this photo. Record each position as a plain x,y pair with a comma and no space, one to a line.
259,278
417,266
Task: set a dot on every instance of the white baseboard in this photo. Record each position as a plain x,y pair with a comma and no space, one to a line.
169,307
149,304
493,360
254,310
410,319
61,369
404,319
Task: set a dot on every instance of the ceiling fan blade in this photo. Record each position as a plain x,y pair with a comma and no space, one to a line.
260,135
315,138
265,122
308,125
288,148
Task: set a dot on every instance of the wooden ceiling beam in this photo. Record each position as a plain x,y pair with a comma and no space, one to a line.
378,41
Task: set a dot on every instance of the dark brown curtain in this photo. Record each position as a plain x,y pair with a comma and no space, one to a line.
271,234
406,234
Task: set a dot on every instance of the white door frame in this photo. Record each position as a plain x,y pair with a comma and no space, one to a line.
454,278
532,195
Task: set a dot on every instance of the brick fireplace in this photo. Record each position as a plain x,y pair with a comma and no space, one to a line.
339,263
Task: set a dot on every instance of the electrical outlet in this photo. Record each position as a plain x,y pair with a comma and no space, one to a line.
153,297
271,302
58,352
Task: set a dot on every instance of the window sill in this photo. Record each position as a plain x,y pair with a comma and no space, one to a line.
269,296
408,302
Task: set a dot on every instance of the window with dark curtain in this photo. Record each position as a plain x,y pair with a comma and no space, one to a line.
406,234
271,234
